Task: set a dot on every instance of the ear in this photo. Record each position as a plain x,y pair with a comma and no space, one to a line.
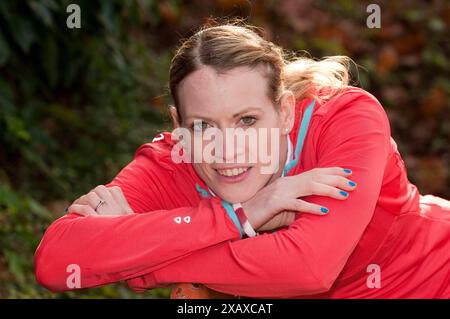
287,112
174,115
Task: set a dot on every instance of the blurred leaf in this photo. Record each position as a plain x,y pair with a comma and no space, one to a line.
4,50
50,60
435,58
6,97
23,33
15,265
413,14
9,199
38,209
16,127
387,60
436,25
42,11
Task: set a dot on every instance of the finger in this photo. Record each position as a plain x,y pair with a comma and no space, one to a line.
340,171
336,181
302,183
85,199
305,207
329,191
80,201
89,200
119,197
84,210
92,199
289,217
104,194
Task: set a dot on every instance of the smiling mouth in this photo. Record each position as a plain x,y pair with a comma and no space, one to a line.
231,172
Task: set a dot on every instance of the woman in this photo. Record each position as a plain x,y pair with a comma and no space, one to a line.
162,221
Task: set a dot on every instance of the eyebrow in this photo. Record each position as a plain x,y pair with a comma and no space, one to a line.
234,115
247,110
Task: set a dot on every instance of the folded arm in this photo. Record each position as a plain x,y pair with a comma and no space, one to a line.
113,248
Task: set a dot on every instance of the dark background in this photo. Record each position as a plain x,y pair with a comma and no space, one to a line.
76,103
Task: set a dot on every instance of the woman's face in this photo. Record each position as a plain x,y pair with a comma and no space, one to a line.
237,99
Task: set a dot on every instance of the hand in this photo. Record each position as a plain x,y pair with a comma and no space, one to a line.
282,219
282,195
196,291
115,204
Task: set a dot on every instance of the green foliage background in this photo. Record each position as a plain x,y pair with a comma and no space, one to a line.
76,103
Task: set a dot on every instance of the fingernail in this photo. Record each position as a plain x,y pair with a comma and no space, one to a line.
324,210
343,193
352,184
346,170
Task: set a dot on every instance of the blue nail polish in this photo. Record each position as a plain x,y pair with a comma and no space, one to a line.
324,210
343,193
346,170
352,184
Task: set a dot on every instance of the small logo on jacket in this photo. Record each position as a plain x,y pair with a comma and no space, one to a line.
186,219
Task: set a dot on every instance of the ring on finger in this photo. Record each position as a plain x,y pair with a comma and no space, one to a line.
100,204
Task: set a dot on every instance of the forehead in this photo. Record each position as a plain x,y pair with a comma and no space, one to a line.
206,90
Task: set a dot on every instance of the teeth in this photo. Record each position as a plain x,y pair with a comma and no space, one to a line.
232,172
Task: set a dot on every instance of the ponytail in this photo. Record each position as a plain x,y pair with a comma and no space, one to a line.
319,79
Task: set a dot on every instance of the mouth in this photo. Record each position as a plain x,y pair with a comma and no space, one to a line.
233,175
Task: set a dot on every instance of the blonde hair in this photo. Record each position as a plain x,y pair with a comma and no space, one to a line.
232,45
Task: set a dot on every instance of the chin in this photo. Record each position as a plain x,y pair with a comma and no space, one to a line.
234,197
236,189
237,193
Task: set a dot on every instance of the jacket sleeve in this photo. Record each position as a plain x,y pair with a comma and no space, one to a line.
307,257
107,249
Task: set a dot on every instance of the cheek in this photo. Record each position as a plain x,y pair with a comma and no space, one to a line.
268,143
203,170
273,142
271,124
197,150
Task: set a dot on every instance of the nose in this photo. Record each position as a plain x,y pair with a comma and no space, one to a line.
233,150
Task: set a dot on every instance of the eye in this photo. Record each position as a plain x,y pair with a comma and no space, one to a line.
199,125
248,120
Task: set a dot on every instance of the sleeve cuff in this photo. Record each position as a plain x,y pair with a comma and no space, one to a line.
232,214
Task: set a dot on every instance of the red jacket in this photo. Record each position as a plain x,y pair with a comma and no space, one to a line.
384,233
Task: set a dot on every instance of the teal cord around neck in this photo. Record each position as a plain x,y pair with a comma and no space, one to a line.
301,137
